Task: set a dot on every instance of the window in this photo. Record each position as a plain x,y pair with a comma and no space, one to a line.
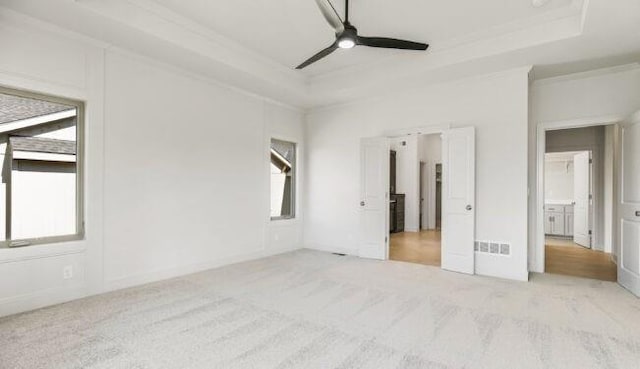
283,179
41,157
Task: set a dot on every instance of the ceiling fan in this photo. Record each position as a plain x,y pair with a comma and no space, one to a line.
347,35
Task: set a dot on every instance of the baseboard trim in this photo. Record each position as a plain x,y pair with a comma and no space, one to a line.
160,275
333,249
58,295
40,299
519,277
629,281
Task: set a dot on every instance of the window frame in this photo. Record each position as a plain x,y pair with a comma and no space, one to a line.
80,170
294,180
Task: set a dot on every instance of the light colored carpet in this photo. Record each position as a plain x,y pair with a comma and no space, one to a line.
315,310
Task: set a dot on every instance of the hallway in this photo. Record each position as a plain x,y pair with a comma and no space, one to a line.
416,247
566,258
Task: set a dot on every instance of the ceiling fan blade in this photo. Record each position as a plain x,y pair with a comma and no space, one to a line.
391,43
331,15
318,56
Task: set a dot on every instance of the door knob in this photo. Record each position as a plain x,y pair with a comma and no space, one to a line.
638,213
469,207
361,203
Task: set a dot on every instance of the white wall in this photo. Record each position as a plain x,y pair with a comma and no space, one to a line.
497,105
581,98
192,161
558,181
430,154
177,170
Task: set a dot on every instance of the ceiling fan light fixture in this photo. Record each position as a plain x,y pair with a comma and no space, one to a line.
346,43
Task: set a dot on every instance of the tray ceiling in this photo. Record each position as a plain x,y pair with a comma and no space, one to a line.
254,45
288,31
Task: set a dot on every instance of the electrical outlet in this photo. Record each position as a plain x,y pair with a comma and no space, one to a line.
67,272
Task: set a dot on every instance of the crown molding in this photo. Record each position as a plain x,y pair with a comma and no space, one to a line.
588,74
149,29
157,21
558,24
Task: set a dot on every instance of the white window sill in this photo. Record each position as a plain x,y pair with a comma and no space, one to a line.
279,222
17,254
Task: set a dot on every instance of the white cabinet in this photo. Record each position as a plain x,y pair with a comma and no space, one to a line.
568,224
548,223
556,223
558,220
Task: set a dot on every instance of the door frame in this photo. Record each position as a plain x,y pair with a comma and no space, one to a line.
538,264
417,131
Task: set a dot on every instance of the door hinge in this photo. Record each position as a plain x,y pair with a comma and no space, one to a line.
590,232
590,161
590,197
386,239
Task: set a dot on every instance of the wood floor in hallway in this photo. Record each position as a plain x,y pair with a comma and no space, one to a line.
416,247
578,261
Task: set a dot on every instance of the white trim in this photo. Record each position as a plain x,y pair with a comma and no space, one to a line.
588,74
17,18
376,97
333,249
42,298
538,264
18,254
164,274
201,77
155,19
170,18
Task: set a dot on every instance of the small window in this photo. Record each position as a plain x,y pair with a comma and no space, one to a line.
283,179
40,191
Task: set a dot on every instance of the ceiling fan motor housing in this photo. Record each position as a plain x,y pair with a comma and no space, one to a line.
350,33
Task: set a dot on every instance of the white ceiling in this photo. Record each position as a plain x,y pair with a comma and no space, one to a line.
255,44
290,31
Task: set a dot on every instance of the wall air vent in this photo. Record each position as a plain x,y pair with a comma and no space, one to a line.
492,247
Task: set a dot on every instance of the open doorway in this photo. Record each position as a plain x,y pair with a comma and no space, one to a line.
415,199
458,194
578,202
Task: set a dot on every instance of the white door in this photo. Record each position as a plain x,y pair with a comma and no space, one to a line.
582,199
458,200
374,198
629,207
